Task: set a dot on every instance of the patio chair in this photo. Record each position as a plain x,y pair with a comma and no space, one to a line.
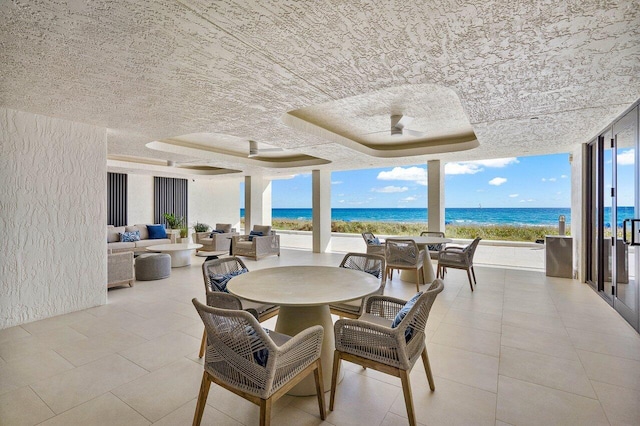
256,364
404,255
434,249
388,337
226,268
262,241
459,258
370,263
219,239
374,244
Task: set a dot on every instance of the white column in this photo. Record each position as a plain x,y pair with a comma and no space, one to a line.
257,202
579,195
321,210
435,191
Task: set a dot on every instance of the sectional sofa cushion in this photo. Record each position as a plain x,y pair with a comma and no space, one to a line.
113,233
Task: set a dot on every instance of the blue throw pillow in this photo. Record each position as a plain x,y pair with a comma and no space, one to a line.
255,234
219,281
214,232
403,313
434,247
260,356
373,241
156,232
130,237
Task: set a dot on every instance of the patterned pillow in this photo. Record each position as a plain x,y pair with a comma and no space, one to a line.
130,237
434,247
374,241
403,313
219,281
260,356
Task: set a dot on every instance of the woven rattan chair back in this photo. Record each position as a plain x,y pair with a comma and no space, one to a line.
369,263
225,265
400,253
459,258
242,358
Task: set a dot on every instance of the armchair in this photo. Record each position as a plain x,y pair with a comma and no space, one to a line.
256,246
120,269
215,241
374,245
459,258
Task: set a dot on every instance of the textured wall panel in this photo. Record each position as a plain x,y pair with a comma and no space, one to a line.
52,217
214,202
140,191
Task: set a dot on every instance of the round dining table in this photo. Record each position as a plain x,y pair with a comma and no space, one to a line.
304,294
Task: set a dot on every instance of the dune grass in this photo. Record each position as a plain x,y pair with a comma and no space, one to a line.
489,232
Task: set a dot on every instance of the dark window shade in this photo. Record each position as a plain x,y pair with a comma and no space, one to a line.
170,196
116,199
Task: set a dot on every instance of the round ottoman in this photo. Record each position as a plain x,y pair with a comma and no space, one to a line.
153,267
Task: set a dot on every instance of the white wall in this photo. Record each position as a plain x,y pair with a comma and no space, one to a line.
53,178
139,199
214,201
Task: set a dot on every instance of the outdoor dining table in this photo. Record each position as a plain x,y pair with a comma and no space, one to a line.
422,242
304,294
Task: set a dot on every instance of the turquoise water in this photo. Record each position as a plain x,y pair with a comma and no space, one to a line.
461,216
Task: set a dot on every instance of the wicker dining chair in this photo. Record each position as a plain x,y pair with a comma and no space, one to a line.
374,244
404,254
224,269
372,340
434,249
370,263
256,364
459,258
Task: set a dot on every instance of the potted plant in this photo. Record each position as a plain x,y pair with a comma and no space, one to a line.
200,227
173,221
184,234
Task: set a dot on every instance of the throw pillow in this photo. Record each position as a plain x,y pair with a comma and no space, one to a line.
214,232
434,247
403,313
255,234
219,281
130,237
156,232
260,356
374,241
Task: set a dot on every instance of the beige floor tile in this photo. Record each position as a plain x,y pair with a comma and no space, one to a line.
23,407
469,368
469,304
71,388
540,322
156,327
599,324
105,410
479,320
25,371
540,306
524,403
46,325
30,345
621,405
184,416
501,423
107,322
162,350
538,341
610,369
159,393
12,333
98,346
295,417
396,420
558,373
469,339
450,404
608,344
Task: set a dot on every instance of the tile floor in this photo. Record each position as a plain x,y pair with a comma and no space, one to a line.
522,349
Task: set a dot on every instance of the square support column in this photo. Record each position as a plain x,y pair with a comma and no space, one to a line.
435,195
257,202
321,210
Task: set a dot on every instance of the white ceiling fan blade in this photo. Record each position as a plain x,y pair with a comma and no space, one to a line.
414,133
400,121
270,149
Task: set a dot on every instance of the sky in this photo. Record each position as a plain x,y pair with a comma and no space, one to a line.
536,181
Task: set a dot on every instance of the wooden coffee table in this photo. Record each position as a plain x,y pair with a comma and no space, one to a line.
180,253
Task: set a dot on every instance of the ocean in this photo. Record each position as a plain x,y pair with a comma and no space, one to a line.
460,216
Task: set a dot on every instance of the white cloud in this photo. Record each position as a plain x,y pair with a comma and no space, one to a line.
513,195
626,158
473,167
497,181
415,174
564,176
530,200
409,199
336,182
390,189
544,179
552,179
341,201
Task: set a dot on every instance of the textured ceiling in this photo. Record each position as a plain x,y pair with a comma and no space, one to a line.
156,72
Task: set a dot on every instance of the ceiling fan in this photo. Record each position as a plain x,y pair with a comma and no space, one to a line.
254,151
399,125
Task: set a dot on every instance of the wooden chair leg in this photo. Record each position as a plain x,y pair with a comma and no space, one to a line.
203,344
408,399
265,412
470,282
473,272
420,279
202,398
320,389
334,378
427,368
